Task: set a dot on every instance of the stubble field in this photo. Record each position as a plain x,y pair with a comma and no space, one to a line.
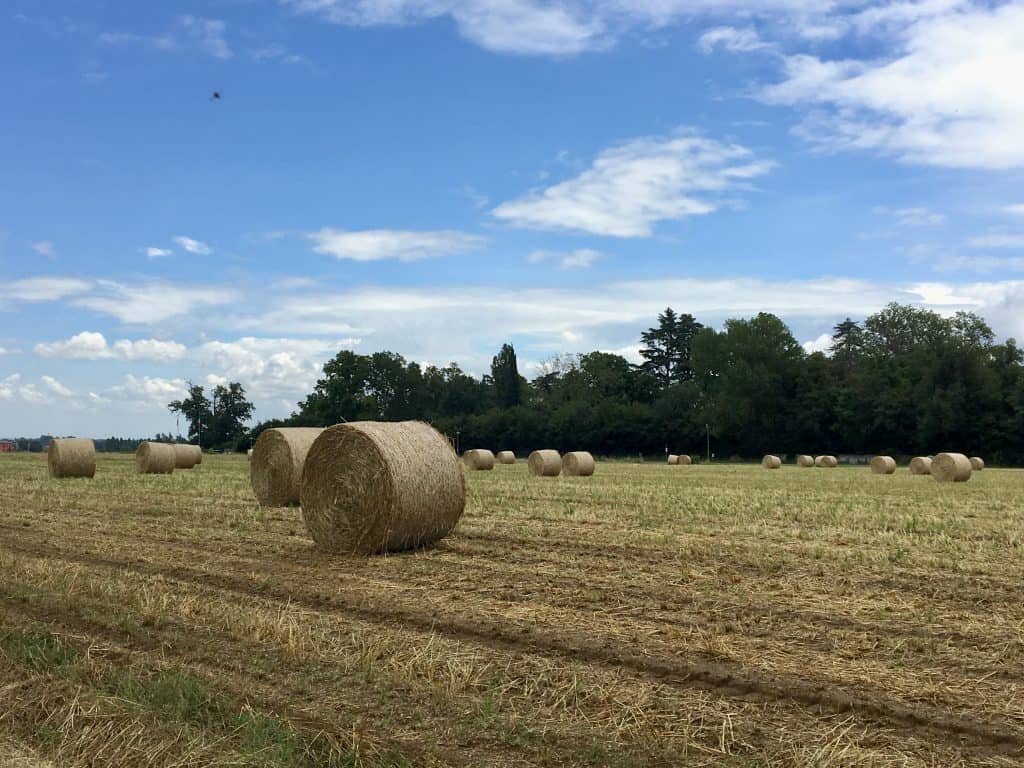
649,615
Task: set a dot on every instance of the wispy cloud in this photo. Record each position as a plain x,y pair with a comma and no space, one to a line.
42,289
189,34
630,187
998,240
45,248
733,39
153,252
152,302
403,245
192,246
581,258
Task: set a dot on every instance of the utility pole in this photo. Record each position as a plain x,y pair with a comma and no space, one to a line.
707,431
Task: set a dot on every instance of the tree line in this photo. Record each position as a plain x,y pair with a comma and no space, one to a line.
902,381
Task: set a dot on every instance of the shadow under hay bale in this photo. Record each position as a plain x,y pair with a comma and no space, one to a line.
71,457
275,468
371,487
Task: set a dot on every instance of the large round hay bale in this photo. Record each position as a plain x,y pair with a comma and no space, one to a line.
155,458
478,458
545,463
883,465
71,457
921,465
951,468
373,487
826,462
505,457
184,456
578,464
977,463
771,462
803,460
275,466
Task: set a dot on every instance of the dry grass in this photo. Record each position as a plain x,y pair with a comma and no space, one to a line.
723,616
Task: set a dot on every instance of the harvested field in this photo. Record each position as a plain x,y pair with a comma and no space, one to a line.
642,616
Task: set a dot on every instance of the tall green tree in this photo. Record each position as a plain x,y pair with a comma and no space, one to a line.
666,347
230,412
196,408
508,384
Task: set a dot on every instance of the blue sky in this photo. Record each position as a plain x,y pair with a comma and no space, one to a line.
436,178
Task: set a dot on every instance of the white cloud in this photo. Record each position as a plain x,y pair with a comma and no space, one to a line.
1016,210
189,34
630,187
980,264
821,344
152,302
404,245
56,387
30,394
918,217
45,248
736,40
997,240
42,289
948,95
192,246
152,252
9,386
90,345
581,258
149,389
270,367
506,26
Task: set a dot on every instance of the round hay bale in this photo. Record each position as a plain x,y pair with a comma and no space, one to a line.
921,465
685,460
505,457
198,453
155,458
545,463
249,454
372,487
951,468
184,456
275,468
803,460
883,465
977,463
478,458
771,462
826,462
578,464
673,459
71,457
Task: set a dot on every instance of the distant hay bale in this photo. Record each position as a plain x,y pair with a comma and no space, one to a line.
578,464
371,487
71,457
921,465
826,462
951,468
977,463
771,462
505,457
155,459
685,460
673,459
478,458
545,463
883,465
803,460
184,456
275,468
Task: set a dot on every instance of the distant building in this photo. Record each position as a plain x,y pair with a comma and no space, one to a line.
8,446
